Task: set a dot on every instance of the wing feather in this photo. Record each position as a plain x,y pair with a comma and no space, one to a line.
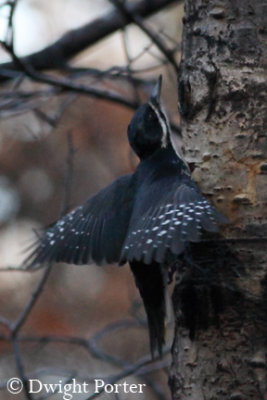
165,220
94,231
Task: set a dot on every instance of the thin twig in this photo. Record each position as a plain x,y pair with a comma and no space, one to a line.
129,62
34,297
143,365
67,84
69,174
56,55
10,28
132,16
20,368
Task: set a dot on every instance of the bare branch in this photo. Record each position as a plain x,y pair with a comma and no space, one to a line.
20,367
10,29
5,322
34,297
59,53
69,174
67,84
133,16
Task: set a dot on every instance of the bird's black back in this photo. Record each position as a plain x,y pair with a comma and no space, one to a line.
169,210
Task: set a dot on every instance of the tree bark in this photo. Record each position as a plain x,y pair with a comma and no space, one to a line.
220,300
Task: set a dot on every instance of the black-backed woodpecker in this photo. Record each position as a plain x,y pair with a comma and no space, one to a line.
141,218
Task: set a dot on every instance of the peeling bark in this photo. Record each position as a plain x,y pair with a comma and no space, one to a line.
222,303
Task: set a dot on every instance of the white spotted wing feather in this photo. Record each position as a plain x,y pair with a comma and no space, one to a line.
94,231
176,215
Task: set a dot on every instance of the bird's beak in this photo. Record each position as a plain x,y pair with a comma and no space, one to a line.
155,96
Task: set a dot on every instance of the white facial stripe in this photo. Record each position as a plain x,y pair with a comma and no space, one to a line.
163,126
164,122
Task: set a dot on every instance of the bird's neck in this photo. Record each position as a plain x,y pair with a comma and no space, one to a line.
163,154
162,159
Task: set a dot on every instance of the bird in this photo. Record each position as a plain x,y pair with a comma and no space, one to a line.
142,218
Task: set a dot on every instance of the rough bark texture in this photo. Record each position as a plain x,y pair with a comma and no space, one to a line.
220,300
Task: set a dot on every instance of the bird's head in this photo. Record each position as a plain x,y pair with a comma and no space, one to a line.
149,129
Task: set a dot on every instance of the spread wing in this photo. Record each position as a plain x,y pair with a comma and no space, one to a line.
94,231
168,213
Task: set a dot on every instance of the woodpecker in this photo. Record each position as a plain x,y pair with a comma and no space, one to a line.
141,218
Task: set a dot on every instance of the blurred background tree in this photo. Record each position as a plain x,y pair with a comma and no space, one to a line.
71,75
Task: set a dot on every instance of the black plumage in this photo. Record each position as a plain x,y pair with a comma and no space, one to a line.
140,218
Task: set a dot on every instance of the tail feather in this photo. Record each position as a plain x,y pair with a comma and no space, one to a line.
150,282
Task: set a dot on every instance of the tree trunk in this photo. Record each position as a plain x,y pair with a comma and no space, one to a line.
220,300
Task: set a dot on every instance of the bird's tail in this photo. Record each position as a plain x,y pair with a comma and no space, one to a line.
150,282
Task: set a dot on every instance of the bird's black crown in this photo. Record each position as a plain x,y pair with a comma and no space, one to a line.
149,128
